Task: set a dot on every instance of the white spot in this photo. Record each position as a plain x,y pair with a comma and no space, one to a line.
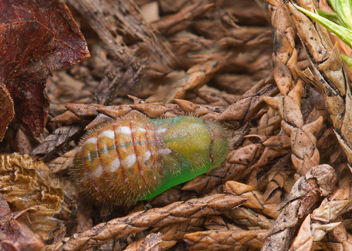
147,156
161,130
140,129
91,141
129,161
124,130
108,133
115,164
97,172
165,151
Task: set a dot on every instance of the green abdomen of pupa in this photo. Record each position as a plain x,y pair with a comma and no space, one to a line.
189,147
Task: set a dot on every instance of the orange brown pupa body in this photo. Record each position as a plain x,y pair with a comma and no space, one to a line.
134,158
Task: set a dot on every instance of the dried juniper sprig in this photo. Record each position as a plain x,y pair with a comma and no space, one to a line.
218,232
285,54
170,234
319,181
211,97
303,142
241,111
79,112
177,231
152,242
255,198
196,76
172,24
232,239
251,42
328,73
246,217
304,151
250,103
268,123
140,221
279,179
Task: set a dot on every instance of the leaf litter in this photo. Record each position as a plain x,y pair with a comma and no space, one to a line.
268,73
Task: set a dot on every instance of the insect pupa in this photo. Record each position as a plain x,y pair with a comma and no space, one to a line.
139,158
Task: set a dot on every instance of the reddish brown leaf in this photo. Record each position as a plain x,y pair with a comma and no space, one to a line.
14,235
6,110
36,37
4,207
17,236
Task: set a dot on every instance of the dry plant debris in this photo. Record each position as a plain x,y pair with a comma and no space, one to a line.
15,234
37,37
28,185
140,221
269,74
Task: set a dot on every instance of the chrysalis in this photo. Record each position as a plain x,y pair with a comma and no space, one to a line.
133,159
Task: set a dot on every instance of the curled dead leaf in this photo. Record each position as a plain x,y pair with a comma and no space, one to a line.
36,38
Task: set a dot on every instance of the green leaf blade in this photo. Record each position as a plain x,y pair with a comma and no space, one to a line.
341,32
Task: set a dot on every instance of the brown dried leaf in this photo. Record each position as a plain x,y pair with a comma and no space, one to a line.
37,37
56,139
14,235
151,243
63,162
23,143
6,110
27,184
